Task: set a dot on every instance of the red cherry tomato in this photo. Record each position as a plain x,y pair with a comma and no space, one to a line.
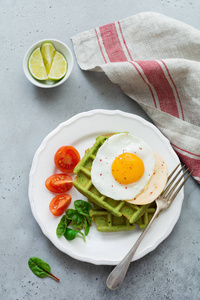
66,158
59,204
59,183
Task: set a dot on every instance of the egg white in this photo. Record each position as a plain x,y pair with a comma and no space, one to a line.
101,173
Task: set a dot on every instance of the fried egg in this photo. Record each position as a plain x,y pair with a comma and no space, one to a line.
122,167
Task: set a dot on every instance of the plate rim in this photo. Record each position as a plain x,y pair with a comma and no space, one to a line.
32,170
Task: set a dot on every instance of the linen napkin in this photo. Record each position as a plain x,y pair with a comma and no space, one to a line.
156,61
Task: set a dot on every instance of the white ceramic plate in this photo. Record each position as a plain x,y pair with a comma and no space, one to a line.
80,132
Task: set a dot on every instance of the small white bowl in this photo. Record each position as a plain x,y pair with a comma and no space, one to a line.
60,47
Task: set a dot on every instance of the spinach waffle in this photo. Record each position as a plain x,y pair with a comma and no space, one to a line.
107,222
84,185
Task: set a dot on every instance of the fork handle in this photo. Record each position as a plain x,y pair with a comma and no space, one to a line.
118,274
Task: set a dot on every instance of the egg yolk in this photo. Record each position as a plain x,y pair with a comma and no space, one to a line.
127,168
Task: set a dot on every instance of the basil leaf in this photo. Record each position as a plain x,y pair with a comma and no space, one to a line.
70,234
75,217
40,268
64,222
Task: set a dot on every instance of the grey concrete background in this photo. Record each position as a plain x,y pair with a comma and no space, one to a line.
29,113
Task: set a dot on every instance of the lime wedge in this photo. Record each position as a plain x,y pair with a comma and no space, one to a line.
36,65
48,52
58,68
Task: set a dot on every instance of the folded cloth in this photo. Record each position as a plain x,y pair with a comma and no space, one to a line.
156,61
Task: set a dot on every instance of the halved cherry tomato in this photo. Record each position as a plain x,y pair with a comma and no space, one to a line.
59,204
66,158
59,183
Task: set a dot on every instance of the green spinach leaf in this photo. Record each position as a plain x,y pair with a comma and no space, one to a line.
78,218
86,227
70,234
40,268
83,208
75,217
64,222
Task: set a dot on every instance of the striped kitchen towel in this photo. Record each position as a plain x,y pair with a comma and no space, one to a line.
156,61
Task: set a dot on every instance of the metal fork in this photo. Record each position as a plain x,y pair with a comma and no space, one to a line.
118,274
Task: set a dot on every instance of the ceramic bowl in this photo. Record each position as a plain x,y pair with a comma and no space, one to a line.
60,47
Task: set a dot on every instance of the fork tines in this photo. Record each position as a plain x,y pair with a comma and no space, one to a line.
171,193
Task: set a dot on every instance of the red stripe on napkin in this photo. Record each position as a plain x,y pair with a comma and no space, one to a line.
154,100
197,155
124,41
100,46
112,43
157,78
174,87
191,162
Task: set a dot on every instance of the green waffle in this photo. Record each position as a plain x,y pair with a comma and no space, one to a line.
144,220
107,222
84,185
